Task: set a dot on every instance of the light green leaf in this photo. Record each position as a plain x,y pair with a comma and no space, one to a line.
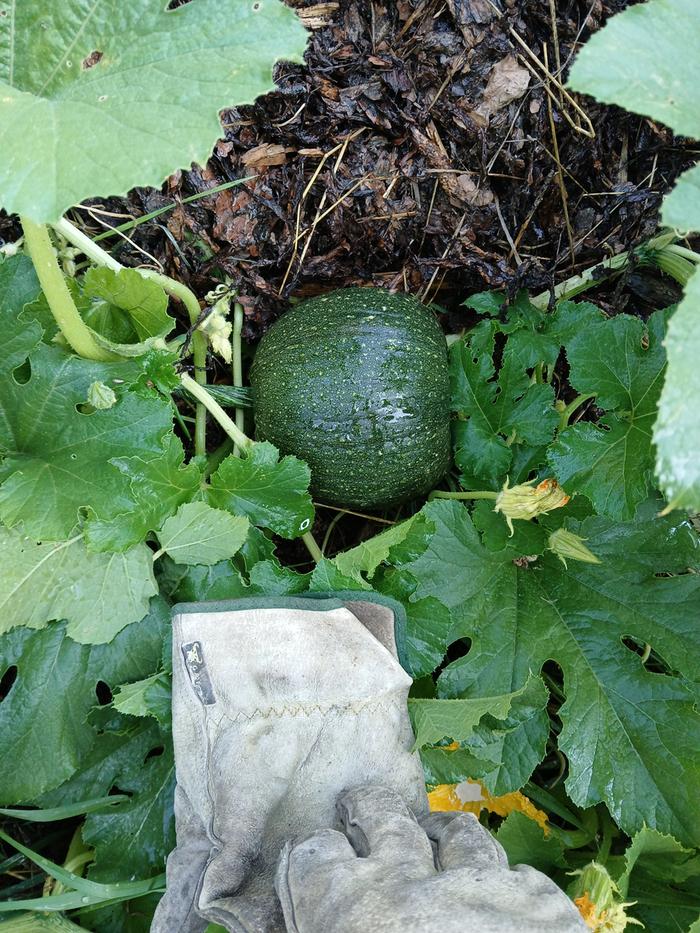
630,735
326,577
148,697
677,429
199,534
18,286
44,732
623,362
127,313
269,578
57,457
367,556
148,83
659,855
681,207
97,594
502,754
273,493
645,60
434,720
526,844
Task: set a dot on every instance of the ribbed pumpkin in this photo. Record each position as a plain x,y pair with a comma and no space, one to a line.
356,383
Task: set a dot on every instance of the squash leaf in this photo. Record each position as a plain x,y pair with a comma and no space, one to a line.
44,731
645,59
199,534
80,77
630,735
623,362
677,428
57,456
273,493
97,594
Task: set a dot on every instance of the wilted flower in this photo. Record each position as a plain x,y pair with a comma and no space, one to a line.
526,501
599,900
566,544
218,330
100,396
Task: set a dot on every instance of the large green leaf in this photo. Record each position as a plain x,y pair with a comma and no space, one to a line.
44,732
645,59
57,457
97,594
273,493
622,362
630,735
98,96
677,429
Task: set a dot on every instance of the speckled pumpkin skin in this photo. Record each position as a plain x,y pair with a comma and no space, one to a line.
356,383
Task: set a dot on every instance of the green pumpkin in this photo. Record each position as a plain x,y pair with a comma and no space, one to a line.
356,383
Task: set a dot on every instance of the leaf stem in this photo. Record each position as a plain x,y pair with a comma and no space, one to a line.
171,287
216,411
58,296
568,411
479,494
237,363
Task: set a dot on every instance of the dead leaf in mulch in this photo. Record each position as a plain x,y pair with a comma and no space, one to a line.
507,82
266,154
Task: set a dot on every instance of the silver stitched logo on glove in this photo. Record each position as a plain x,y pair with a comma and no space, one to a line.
197,670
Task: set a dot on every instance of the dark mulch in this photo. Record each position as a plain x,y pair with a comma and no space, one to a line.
414,150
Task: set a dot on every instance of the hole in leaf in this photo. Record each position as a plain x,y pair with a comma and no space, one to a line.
22,373
256,7
84,408
103,693
155,752
92,59
7,681
174,4
652,661
115,790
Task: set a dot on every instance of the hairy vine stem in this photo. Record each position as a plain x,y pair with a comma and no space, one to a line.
171,287
58,296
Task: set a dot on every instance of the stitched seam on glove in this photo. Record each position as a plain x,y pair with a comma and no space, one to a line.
371,705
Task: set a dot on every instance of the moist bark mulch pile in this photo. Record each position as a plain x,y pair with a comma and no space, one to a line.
424,146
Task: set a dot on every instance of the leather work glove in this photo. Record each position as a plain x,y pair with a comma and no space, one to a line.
388,872
278,706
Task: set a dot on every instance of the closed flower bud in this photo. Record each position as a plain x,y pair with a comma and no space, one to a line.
101,396
599,901
566,544
526,501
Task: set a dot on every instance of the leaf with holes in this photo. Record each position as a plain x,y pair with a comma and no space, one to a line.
97,594
273,493
622,362
135,72
630,735
44,731
57,457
